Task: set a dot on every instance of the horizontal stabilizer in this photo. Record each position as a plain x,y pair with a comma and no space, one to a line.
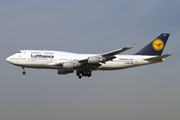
158,57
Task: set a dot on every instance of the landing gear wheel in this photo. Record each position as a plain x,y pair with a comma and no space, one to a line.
80,77
23,72
89,75
84,73
78,74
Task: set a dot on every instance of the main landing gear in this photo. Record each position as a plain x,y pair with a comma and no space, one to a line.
81,74
24,72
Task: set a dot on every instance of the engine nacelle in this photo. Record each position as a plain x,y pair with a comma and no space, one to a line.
68,65
63,72
93,60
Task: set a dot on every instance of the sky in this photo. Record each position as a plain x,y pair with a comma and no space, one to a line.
149,92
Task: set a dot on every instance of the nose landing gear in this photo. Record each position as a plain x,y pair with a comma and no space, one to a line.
24,72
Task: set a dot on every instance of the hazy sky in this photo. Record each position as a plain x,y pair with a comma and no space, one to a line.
89,26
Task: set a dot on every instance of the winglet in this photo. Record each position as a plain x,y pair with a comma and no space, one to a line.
133,45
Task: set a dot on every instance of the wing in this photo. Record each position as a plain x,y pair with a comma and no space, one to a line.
115,52
109,55
96,61
92,62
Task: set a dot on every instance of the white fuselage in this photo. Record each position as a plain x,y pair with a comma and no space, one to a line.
42,59
84,64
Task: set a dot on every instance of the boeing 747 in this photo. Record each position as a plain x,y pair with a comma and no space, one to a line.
84,64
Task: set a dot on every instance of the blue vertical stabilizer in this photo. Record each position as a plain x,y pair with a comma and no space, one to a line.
156,47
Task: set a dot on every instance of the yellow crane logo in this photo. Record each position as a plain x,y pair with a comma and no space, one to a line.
158,44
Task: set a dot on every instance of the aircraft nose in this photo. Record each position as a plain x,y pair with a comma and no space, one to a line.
8,59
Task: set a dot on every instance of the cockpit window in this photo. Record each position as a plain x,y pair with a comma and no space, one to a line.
19,52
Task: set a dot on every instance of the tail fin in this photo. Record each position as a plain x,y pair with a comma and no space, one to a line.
155,47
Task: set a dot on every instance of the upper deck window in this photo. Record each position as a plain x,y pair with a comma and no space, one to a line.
19,52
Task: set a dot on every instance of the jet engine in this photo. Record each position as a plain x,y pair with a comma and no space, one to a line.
93,60
68,65
63,72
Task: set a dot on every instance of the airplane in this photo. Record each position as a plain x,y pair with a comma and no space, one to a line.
84,64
